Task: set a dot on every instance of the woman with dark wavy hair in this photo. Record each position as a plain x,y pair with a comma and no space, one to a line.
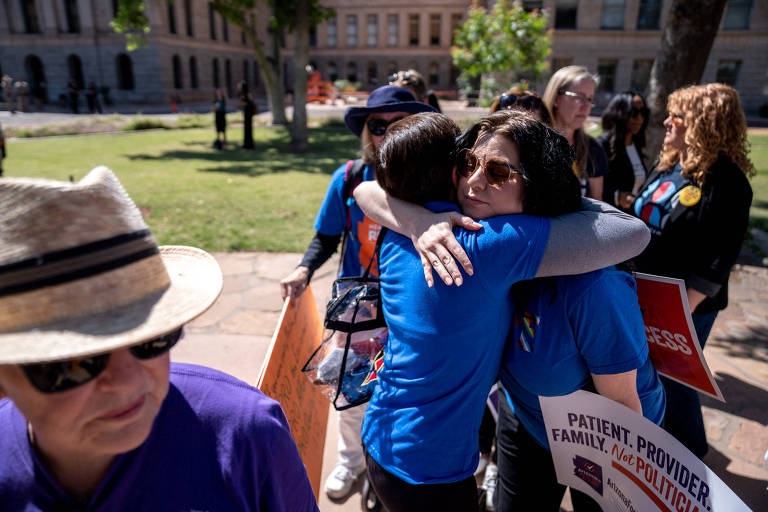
445,343
696,204
623,139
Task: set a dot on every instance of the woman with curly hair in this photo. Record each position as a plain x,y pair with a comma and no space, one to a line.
696,204
623,139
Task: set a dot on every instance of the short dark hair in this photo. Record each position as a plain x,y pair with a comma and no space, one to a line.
416,158
546,158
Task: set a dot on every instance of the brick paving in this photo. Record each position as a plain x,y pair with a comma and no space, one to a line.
234,334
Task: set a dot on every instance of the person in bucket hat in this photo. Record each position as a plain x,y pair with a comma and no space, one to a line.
340,217
92,414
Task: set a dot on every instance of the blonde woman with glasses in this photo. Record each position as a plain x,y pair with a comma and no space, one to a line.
570,96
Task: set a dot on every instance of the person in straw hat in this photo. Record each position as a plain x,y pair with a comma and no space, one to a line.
95,417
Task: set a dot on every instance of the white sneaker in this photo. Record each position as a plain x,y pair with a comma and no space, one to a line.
339,483
489,484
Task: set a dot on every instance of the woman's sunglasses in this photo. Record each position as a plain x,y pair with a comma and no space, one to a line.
64,375
526,102
378,126
497,172
638,112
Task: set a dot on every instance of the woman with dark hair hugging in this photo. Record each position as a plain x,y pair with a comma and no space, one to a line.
445,343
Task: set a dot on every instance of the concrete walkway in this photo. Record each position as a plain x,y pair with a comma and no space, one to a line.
234,334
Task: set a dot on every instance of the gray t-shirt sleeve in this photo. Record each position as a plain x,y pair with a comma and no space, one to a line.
595,237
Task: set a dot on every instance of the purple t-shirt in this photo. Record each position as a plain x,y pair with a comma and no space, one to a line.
217,444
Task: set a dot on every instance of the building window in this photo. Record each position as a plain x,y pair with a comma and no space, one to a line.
115,7
225,29
648,15
737,14
565,13
255,74
434,29
641,74
245,71
193,73
312,36
72,15
532,5
373,30
75,68
433,74
188,17
392,68
211,20
352,72
456,19
728,72
332,32
228,76
613,15
172,17
606,70
29,13
124,72
177,81
561,62
333,72
352,30
216,76
413,29
393,30
373,74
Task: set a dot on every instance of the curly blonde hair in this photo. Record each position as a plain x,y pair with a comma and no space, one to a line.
714,126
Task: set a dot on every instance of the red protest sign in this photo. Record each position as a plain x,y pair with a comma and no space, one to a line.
672,341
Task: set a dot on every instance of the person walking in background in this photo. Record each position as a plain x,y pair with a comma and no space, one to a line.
570,96
2,149
73,96
219,108
249,110
696,204
92,97
623,139
338,216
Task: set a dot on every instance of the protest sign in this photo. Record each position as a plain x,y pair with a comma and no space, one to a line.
626,462
672,342
299,331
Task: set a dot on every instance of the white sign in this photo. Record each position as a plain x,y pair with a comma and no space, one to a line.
626,462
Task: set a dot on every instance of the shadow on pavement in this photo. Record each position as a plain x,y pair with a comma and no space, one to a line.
750,490
742,399
750,343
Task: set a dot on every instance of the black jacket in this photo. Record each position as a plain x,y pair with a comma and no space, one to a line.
700,243
621,176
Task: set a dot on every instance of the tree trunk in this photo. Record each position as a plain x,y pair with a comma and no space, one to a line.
685,44
299,139
277,95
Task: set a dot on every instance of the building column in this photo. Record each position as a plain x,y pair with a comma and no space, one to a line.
47,12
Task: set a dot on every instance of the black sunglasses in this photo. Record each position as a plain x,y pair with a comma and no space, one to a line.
638,112
526,102
497,172
64,375
378,126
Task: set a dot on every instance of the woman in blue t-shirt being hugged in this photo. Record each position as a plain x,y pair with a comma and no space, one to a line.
445,343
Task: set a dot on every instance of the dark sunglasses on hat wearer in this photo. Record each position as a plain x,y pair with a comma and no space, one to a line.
384,99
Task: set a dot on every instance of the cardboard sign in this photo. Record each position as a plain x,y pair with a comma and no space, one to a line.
626,462
299,331
672,341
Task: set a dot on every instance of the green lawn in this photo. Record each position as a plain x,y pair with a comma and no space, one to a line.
232,200
229,200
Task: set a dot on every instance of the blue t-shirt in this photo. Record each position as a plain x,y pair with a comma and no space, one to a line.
588,323
216,444
332,220
658,200
444,348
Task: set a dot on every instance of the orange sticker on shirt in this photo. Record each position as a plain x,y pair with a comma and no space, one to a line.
367,233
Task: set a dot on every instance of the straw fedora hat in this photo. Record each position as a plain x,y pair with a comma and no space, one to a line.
80,272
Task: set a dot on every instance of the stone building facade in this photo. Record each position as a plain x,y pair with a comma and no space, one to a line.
191,50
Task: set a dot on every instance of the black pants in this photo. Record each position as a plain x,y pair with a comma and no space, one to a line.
527,479
487,433
398,495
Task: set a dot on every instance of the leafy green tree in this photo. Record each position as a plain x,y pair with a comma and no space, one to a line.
285,16
501,46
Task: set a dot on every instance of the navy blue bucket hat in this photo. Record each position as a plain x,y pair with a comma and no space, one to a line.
384,99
